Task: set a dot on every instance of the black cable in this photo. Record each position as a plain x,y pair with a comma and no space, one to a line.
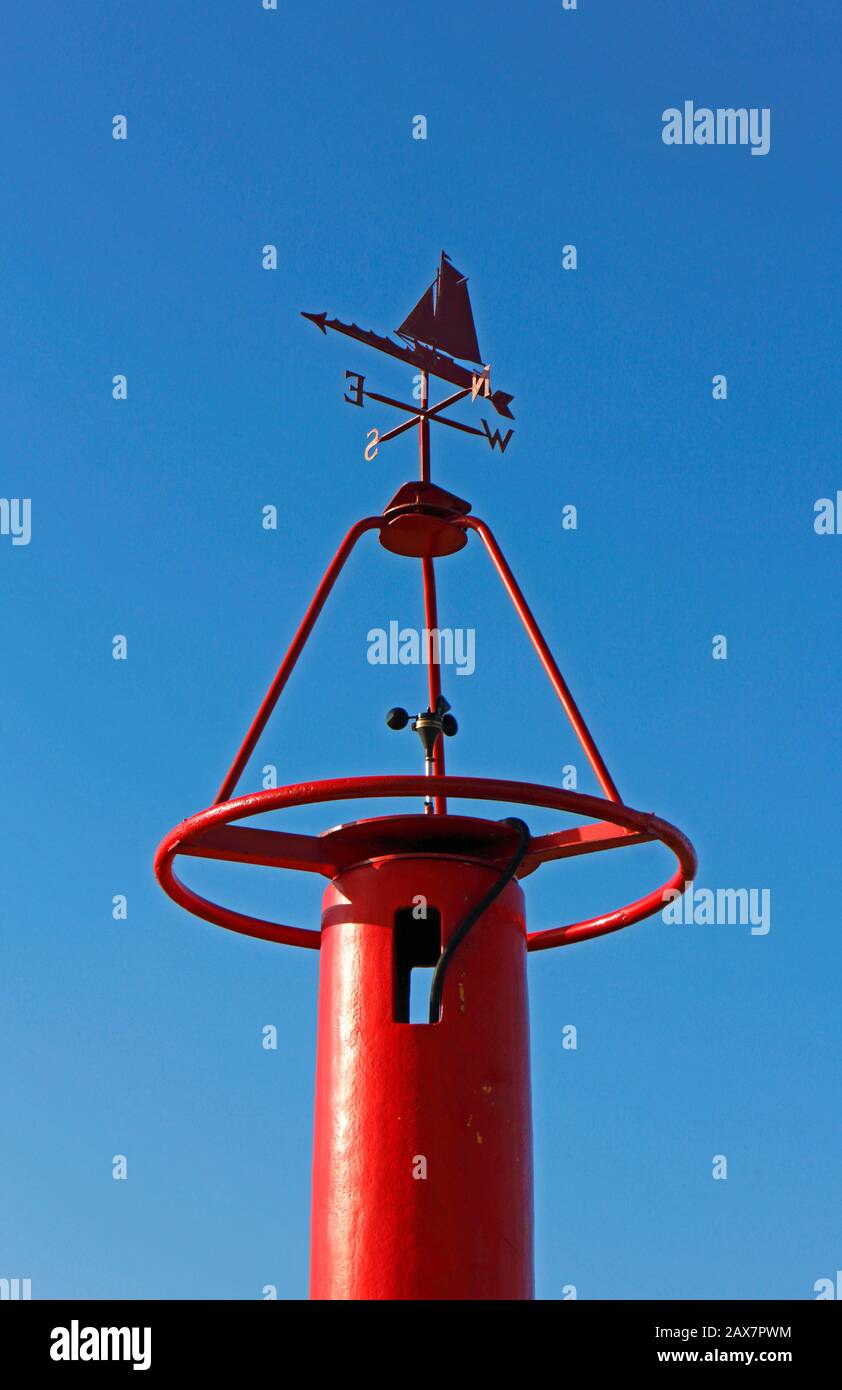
474,915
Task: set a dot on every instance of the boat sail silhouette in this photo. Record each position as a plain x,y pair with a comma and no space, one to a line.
443,319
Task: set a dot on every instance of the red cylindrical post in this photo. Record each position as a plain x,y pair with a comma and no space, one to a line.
422,1164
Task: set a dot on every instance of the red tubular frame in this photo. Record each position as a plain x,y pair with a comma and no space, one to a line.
211,835
521,607
201,836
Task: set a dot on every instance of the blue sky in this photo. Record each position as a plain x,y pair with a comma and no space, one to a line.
143,257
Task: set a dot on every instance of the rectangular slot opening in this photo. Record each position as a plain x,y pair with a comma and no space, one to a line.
416,949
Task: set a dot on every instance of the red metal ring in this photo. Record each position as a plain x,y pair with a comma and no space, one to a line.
303,852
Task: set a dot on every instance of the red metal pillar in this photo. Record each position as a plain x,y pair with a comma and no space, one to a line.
422,1165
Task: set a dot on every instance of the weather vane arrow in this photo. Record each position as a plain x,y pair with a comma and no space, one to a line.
436,334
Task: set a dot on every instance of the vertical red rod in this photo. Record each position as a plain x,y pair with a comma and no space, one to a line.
431,619
547,660
424,432
430,606
287,665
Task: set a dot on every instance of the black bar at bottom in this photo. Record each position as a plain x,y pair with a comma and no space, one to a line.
222,1337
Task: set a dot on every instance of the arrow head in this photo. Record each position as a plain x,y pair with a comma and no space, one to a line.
318,319
500,401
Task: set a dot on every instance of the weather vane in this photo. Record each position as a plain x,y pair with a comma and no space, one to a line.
437,335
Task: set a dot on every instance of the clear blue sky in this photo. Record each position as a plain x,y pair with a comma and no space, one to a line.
143,257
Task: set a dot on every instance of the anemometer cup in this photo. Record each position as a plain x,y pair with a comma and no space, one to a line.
214,834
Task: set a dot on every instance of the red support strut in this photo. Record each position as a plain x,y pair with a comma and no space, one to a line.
545,656
286,667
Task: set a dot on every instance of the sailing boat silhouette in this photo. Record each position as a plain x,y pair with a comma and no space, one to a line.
443,319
